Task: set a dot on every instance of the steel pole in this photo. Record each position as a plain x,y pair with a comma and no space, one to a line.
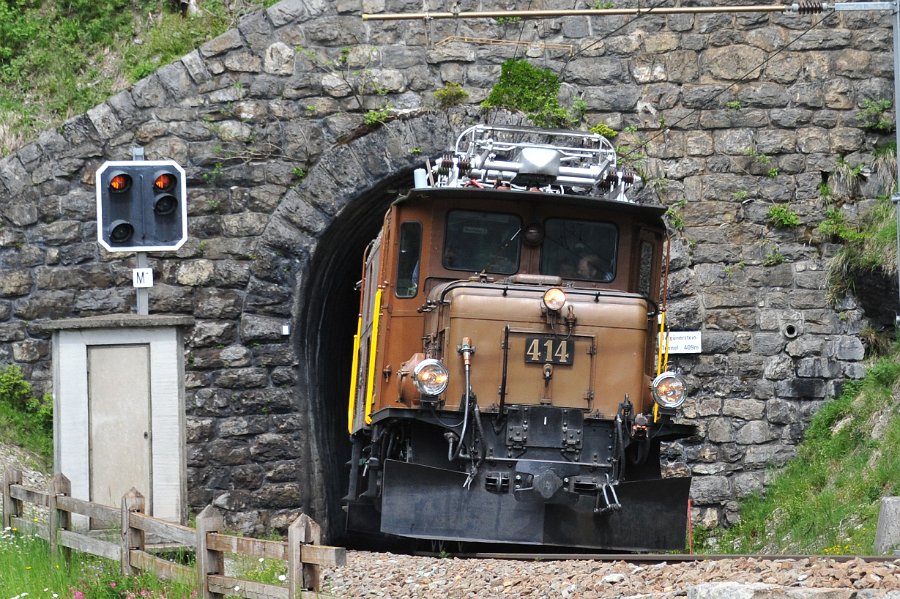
589,12
895,198
142,298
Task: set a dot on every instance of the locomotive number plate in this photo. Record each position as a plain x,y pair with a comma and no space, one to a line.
549,350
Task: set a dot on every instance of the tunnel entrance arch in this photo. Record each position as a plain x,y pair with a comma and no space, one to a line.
324,225
326,322
322,228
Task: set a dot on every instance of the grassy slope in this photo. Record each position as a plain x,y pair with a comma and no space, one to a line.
59,58
826,500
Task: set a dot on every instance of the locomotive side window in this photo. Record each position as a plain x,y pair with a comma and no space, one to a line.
577,249
482,241
408,259
646,268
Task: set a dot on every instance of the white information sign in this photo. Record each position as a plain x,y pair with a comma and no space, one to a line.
684,342
142,277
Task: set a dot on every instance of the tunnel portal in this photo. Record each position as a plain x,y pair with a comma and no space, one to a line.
326,320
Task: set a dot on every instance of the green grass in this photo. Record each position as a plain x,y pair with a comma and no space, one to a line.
59,58
25,420
21,429
26,568
826,500
872,247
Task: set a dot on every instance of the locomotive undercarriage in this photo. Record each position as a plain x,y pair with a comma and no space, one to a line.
524,475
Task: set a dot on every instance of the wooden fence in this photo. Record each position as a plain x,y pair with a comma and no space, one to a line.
302,552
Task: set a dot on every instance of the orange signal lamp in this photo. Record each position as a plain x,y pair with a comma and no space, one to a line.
120,183
164,182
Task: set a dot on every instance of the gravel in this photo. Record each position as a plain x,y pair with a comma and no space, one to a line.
16,457
389,575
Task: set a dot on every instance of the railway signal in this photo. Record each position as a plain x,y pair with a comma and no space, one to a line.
141,206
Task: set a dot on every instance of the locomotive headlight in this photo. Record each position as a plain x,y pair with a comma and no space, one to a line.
554,299
669,390
431,377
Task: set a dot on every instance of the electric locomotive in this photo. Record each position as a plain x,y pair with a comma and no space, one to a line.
507,381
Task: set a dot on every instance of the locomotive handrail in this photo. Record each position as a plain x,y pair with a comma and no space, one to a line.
583,291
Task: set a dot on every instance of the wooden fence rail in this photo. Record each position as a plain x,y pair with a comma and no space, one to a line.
302,552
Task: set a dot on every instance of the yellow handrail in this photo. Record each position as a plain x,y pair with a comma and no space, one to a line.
660,340
354,372
373,345
661,359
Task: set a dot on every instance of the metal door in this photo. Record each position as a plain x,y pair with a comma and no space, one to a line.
119,421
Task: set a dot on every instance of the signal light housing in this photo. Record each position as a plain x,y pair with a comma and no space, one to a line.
141,206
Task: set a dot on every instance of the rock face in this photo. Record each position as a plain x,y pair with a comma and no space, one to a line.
728,115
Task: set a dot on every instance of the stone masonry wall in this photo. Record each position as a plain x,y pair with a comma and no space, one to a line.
734,113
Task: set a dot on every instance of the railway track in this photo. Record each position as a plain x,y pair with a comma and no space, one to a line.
656,558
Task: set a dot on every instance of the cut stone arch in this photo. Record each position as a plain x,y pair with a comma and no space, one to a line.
322,226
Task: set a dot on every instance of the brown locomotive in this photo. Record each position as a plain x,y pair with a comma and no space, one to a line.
507,386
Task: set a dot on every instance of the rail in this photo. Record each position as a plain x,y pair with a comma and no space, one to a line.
302,553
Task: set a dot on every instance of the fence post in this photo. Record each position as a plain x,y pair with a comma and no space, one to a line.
12,508
304,531
132,538
59,485
208,560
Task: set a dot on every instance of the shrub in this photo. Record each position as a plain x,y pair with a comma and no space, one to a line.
15,391
452,94
875,116
530,89
604,130
782,217
25,420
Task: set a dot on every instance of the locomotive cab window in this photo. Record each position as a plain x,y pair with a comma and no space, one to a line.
408,259
482,242
579,250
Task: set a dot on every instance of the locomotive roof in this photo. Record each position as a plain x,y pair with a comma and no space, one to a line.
426,194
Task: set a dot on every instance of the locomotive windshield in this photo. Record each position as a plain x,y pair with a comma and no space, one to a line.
482,242
575,249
